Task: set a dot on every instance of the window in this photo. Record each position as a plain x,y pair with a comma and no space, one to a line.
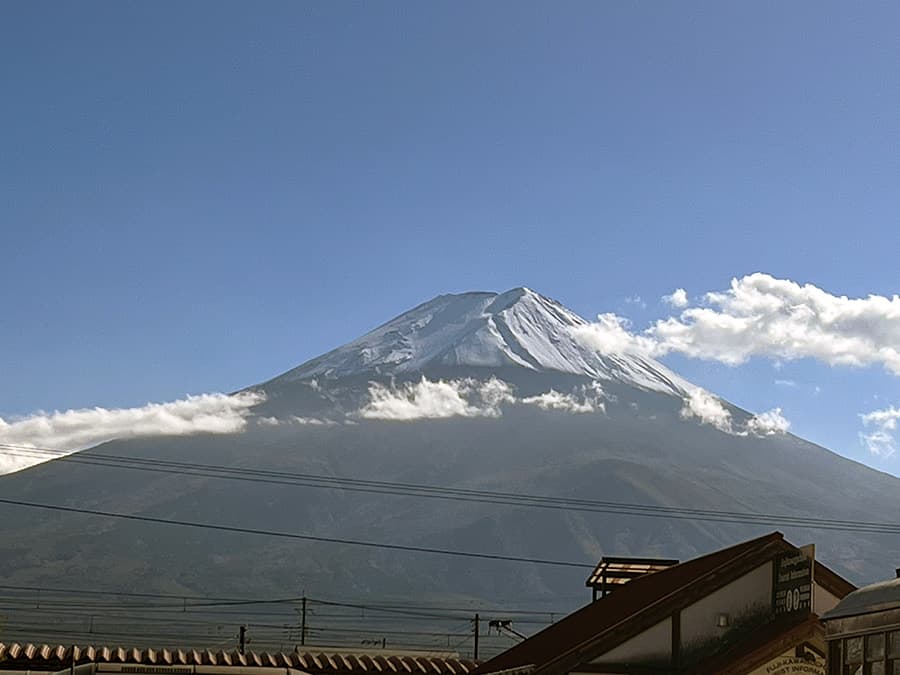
853,656
893,648
874,655
893,653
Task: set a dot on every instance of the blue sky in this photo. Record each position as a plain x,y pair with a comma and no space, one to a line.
199,195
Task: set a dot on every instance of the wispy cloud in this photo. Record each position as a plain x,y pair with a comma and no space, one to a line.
709,409
702,405
768,423
73,430
786,383
678,298
426,399
293,420
589,400
881,439
611,334
434,400
760,315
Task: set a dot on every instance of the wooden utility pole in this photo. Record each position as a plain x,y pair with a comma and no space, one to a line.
476,626
303,622
242,639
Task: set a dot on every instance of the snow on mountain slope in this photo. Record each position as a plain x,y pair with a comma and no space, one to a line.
518,328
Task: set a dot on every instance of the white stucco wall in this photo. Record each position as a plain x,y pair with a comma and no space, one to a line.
754,589
651,646
823,600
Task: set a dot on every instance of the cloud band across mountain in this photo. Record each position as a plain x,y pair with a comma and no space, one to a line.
72,430
426,399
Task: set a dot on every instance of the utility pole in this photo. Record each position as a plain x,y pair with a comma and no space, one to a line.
475,622
303,622
242,639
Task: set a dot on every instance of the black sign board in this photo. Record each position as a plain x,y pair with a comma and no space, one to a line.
792,584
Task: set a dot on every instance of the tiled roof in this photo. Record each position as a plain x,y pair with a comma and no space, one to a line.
640,604
57,657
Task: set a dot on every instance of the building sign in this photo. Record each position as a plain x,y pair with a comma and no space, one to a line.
786,665
792,586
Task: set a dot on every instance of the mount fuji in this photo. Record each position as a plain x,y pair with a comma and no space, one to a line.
476,391
519,328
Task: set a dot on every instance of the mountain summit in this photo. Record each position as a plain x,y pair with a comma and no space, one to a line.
519,328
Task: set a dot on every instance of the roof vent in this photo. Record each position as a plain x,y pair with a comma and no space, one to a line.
612,573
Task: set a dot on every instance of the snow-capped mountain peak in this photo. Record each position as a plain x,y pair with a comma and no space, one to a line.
519,328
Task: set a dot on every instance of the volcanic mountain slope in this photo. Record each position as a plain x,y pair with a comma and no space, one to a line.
519,329
478,391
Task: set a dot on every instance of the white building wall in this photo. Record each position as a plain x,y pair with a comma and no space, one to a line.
741,596
651,646
823,600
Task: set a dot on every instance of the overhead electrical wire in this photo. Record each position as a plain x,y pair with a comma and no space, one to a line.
454,494
44,597
49,609
291,535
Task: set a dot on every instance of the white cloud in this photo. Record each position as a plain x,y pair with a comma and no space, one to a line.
293,419
268,421
768,423
495,392
708,409
636,300
881,440
73,430
314,421
760,315
678,298
434,400
702,405
887,418
786,383
469,398
590,400
611,334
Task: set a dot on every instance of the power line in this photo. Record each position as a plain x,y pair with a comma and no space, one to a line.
290,535
457,494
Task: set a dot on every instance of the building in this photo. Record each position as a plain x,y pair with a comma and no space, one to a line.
749,609
863,631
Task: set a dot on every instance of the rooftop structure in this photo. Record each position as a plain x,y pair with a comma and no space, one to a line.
612,572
